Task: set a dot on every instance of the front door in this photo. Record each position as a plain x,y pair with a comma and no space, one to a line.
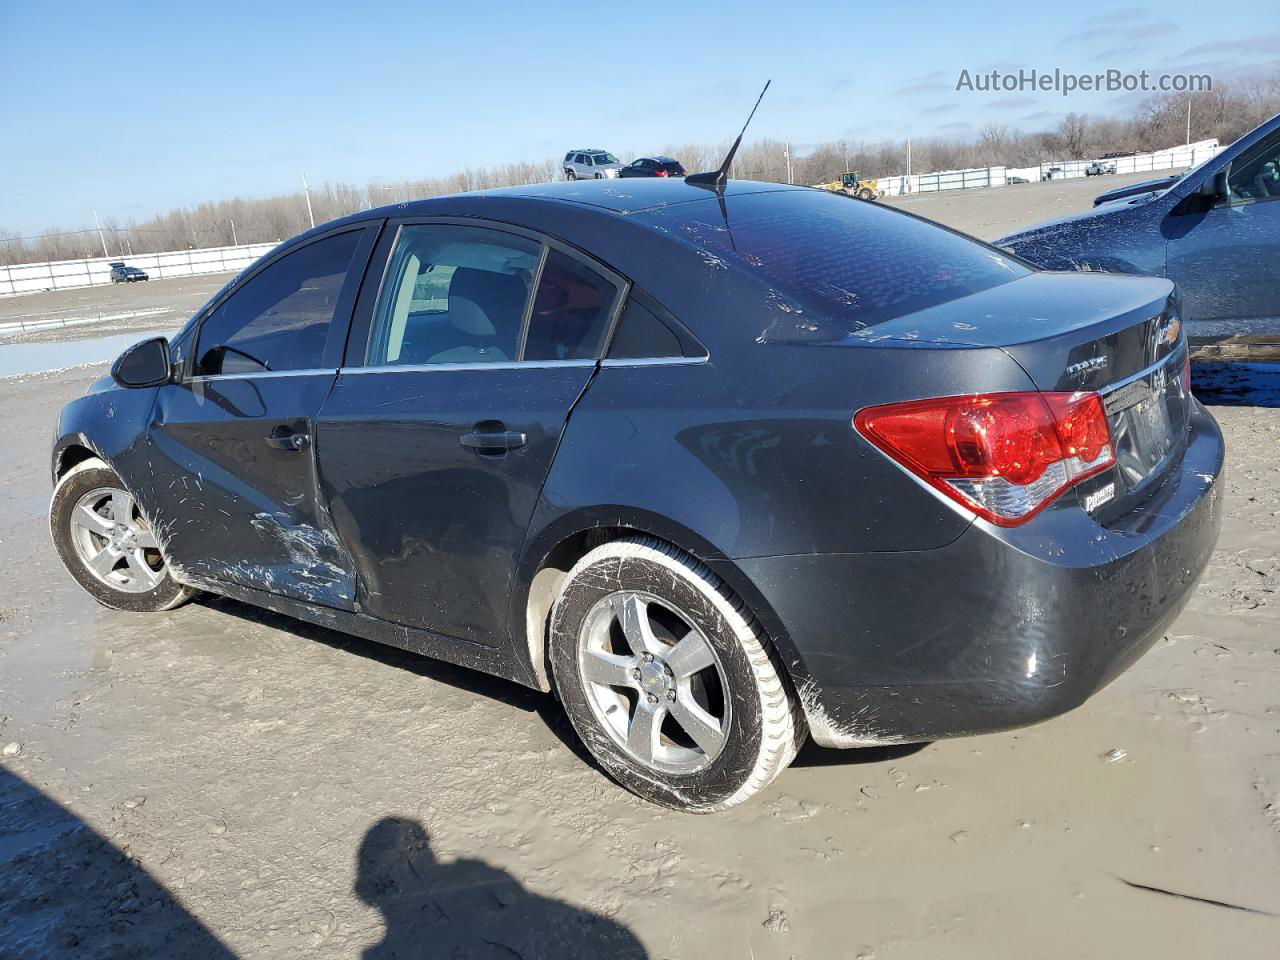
1223,259
434,445
233,479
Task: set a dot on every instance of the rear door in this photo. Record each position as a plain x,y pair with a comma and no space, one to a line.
1223,259
435,442
233,476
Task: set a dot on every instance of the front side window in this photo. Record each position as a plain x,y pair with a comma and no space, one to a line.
279,319
453,294
1256,174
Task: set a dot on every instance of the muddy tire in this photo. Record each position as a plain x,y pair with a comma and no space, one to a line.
107,545
669,680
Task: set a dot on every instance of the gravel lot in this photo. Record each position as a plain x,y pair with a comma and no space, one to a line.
218,781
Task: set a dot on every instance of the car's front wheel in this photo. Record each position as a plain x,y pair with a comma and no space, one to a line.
106,543
669,680
570,175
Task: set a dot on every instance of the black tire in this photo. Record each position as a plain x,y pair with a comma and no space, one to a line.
570,175
79,482
599,176
866,194
761,724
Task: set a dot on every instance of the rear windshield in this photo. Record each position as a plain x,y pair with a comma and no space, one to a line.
672,167
832,265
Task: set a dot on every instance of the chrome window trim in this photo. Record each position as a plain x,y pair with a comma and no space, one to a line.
263,375
653,361
502,365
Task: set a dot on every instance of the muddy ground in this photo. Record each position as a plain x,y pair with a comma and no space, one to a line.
218,781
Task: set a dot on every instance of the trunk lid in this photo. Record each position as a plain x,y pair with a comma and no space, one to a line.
1119,336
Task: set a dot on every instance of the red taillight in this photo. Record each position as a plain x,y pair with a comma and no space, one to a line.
1005,456
661,173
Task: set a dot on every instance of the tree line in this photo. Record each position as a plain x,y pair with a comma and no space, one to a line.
1226,113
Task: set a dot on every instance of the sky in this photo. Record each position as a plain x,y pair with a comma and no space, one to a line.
135,108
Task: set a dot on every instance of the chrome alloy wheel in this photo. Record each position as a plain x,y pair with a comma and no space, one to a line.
114,542
654,682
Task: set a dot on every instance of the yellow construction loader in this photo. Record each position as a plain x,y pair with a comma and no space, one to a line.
854,186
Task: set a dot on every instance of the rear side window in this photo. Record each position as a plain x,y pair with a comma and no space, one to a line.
641,335
830,265
279,319
453,294
571,311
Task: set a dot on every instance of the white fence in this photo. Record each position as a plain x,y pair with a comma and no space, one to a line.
63,274
1182,156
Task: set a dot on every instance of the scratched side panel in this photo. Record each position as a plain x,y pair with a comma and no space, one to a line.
229,507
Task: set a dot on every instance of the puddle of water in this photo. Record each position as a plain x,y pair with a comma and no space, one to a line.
21,358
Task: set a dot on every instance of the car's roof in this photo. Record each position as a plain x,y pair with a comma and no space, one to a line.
616,196
661,159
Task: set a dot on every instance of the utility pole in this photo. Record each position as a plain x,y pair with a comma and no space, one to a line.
311,216
1188,121
100,236
786,152
234,241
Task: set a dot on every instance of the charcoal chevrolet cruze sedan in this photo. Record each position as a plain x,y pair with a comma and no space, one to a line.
722,468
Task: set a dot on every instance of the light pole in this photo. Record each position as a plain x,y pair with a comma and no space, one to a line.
234,241
100,236
307,193
1188,121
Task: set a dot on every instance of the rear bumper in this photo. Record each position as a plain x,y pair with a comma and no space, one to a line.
1000,628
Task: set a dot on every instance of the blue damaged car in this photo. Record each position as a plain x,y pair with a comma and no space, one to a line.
1214,231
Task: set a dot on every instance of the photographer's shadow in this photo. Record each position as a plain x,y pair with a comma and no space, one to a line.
468,908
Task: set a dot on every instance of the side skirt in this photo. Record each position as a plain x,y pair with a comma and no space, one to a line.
492,660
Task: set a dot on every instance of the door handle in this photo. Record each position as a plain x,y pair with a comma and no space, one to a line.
499,441
282,438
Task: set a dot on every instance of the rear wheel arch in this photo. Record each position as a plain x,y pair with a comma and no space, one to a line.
551,556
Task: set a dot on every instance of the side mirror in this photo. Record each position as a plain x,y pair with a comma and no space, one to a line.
1215,189
145,364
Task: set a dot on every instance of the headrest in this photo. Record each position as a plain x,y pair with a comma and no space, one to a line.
468,316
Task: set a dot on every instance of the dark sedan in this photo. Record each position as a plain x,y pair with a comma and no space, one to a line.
120,273
722,467
653,167
1214,231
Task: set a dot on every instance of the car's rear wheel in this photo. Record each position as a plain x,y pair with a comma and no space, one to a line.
106,543
669,680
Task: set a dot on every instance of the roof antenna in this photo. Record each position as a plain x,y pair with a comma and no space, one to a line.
716,179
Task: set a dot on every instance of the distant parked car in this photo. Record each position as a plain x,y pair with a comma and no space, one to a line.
1117,154
1054,173
652,167
123,274
1097,169
1016,180
590,165
1215,231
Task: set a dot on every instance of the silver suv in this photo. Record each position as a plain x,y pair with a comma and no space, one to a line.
590,165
